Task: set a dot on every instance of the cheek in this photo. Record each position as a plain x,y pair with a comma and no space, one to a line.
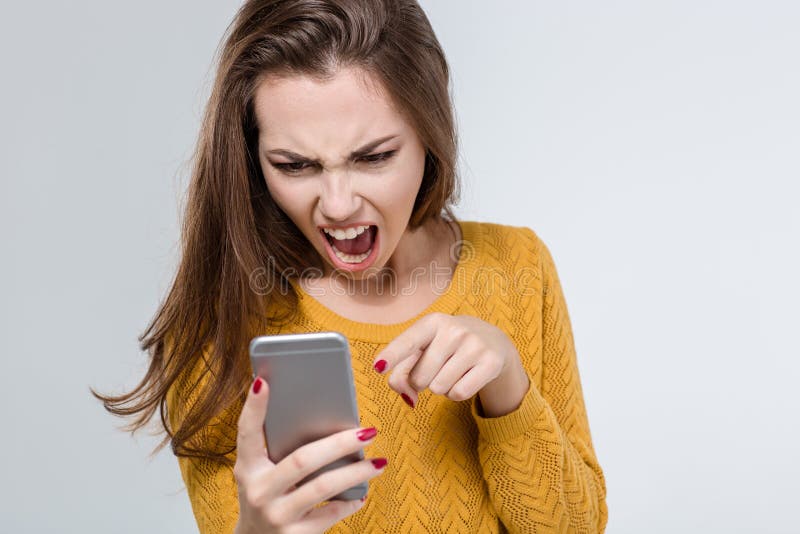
288,196
408,183
391,193
405,180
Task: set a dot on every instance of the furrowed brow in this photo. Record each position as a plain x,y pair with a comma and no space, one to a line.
363,151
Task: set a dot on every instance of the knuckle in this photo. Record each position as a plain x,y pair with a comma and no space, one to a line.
298,460
417,382
457,329
243,434
437,388
274,516
396,381
322,487
252,499
466,336
473,347
458,394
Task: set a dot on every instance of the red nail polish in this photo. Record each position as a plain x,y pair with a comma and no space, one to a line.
379,462
257,384
364,498
367,433
380,365
407,399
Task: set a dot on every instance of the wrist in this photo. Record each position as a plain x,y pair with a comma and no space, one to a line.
504,394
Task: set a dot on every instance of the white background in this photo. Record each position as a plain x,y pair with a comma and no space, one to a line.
654,146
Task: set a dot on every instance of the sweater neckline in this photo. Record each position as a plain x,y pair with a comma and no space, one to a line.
447,302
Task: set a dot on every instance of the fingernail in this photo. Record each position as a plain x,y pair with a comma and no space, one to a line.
364,498
379,463
257,384
380,365
407,399
367,433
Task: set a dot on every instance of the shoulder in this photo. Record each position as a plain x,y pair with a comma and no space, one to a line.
512,261
510,245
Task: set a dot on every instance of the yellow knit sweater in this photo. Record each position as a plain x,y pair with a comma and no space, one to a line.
451,469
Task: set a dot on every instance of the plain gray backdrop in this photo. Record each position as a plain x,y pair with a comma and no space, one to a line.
654,146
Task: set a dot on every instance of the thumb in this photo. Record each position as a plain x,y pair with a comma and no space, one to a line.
250,442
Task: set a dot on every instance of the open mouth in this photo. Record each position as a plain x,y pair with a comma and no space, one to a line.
354,250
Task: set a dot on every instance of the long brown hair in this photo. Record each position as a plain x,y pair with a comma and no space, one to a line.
231,226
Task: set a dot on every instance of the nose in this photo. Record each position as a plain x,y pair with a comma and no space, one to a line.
338,201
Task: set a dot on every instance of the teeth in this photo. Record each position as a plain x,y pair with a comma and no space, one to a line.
350,258
350,233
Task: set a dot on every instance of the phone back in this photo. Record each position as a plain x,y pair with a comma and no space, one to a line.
311,392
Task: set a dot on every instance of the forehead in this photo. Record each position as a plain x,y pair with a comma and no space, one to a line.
300,112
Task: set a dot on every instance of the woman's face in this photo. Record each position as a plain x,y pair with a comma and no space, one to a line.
339,155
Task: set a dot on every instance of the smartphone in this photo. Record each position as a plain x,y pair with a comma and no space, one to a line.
311,394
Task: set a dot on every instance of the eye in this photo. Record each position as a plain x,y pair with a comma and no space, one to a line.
290,168
296,167
378,158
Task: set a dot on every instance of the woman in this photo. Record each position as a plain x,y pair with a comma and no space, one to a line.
328,147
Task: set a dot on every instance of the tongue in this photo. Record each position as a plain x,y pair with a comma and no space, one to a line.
359,244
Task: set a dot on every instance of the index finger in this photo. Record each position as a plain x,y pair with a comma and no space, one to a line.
251,446
416,338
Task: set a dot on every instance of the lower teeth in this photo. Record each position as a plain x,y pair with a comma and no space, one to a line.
350,258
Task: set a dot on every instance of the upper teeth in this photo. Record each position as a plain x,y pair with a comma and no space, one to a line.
349,233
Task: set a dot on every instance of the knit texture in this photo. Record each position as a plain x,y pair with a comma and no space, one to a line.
451,469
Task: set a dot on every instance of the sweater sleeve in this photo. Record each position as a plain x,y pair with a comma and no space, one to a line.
209,483
538,461
212,493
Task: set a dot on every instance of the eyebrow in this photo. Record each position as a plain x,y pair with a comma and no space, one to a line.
363,151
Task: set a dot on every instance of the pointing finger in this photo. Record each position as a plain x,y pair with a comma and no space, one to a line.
414,339
398,380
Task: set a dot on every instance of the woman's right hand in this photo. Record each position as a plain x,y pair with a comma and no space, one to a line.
269,500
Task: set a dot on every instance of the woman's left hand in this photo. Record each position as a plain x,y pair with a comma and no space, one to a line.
457,356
